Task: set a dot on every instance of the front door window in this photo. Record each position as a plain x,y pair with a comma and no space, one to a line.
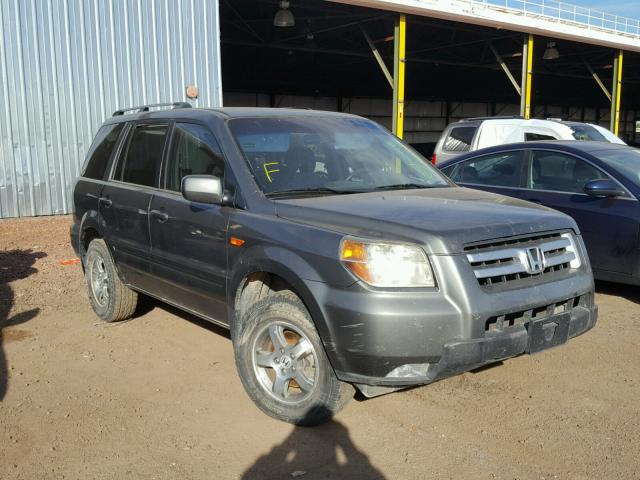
194,151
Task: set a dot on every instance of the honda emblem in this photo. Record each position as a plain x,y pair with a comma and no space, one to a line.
535,261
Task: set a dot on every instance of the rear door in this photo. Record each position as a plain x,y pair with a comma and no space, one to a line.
188,239
502,172
609,226
89,187
124,202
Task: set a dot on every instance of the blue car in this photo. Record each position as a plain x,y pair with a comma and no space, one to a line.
596,183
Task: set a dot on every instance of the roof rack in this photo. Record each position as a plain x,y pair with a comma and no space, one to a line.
145,108
504,117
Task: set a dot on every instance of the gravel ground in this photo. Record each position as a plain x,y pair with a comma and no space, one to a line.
157,397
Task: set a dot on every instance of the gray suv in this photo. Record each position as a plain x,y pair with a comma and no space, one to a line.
336,255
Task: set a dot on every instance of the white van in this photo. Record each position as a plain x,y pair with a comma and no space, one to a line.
475,133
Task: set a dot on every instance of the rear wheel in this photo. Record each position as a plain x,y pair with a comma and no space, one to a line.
282,363
111,299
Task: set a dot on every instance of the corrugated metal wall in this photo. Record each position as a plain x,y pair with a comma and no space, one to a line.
66,65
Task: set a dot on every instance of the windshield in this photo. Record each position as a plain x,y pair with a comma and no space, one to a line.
329,155
624,160
587,132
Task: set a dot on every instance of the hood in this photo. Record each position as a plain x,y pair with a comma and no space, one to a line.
442,220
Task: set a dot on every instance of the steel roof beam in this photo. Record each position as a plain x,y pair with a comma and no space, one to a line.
377,56
597,79
505,68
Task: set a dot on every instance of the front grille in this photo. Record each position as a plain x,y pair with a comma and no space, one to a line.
521,318
521,258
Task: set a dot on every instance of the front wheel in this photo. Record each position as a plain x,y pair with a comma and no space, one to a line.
282,364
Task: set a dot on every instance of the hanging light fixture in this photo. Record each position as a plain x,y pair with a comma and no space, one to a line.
551,53
284,16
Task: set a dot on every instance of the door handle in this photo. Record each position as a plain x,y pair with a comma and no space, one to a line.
105,201
160,216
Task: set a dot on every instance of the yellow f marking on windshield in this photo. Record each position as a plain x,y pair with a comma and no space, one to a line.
268,171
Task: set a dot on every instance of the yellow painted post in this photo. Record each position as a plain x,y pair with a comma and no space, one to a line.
616,93
527,91
399,40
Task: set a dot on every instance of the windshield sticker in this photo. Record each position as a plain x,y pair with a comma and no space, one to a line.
272,142
352,141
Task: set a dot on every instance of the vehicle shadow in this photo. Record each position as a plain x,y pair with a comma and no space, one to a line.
326,451
629,292
14,265
146,304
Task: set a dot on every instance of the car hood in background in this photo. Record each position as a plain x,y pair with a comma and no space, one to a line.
443,220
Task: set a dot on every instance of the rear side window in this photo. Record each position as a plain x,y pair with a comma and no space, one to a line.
499,169
194,151
141,160
101,150
535,137
459,139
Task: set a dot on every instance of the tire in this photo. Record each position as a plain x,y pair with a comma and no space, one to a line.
109,297
303,389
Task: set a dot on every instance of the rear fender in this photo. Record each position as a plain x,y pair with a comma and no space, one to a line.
92,220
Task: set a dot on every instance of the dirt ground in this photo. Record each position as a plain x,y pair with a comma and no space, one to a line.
157,397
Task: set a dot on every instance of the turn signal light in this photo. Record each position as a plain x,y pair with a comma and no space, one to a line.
236,242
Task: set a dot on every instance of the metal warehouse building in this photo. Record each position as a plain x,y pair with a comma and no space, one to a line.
411,65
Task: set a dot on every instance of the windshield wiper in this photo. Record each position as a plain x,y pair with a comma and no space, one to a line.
308,191
403,186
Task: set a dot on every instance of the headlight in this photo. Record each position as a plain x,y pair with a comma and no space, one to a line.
387,264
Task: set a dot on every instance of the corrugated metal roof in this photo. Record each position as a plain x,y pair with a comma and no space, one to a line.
66,65
550,18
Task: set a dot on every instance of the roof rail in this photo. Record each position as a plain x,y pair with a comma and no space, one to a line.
504,117
145,108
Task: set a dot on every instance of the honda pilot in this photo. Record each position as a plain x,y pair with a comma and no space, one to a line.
338,257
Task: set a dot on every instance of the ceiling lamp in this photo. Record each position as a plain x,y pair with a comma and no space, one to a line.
284,17
551,53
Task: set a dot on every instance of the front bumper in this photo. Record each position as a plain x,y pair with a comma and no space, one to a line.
416,336
462,356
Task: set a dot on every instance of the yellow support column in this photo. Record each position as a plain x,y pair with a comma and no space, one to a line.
616,94
399,40
527,75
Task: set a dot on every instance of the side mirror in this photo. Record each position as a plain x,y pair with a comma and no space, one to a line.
603,188
202,188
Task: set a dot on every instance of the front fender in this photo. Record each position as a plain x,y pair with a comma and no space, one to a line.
296,271
288,265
